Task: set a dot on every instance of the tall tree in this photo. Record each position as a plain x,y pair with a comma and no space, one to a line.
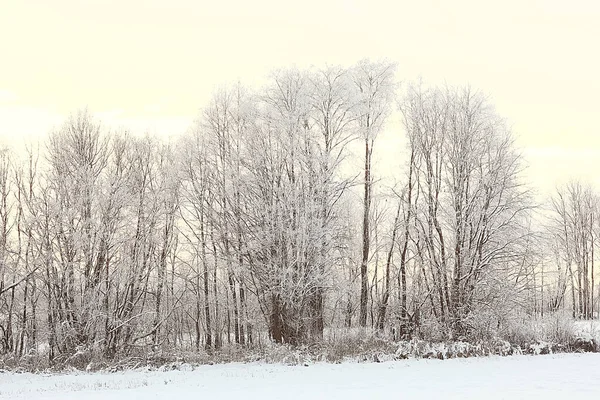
474,209
374,87
575,207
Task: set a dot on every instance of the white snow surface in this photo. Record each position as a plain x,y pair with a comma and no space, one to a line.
518,377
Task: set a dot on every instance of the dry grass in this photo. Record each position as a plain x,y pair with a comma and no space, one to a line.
553,333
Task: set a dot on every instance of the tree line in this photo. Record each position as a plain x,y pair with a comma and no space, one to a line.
256,226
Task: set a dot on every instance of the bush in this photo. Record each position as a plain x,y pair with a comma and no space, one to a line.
431,329
556,328
516,334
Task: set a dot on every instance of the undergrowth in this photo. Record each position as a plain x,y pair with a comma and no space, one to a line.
552,334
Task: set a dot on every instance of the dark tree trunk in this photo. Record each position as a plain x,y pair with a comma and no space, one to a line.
364,289
386,294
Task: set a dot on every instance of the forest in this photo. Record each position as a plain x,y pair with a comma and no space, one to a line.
268,221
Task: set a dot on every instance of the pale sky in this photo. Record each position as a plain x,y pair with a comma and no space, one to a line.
150,65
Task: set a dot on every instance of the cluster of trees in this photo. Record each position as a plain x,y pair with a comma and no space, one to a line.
256,224
573,231
465,210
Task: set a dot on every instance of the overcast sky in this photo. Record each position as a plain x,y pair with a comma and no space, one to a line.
150,65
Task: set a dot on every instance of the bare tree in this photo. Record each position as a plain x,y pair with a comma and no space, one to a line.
374,85
575,207
195,174
77,155
474,212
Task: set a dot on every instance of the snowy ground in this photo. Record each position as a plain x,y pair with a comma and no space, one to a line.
588,329
561,376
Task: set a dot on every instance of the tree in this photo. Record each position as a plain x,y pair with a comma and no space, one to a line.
575,208
332,118
284,210
196,197
77,155
474,215
374,90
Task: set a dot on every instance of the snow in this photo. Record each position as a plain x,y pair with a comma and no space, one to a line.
588,329
517,377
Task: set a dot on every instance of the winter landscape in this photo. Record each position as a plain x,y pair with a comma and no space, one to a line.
338,200
517,377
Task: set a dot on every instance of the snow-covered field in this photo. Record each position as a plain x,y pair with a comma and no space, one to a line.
562,376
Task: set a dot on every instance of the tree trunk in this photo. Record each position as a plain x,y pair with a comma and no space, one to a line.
386,295
364,290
